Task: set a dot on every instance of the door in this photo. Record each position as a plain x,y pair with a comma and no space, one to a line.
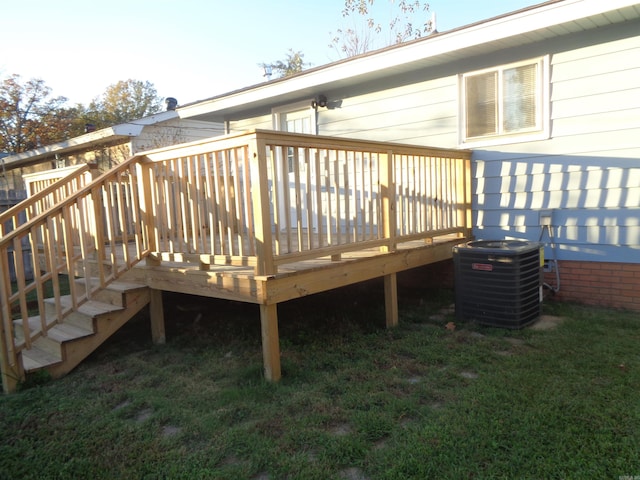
300,118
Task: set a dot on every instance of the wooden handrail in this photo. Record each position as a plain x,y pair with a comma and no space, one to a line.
85,234
70,199
27,206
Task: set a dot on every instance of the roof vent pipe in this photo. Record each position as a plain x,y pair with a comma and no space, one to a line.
171,102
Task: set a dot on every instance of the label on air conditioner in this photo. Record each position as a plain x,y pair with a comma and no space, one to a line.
484,267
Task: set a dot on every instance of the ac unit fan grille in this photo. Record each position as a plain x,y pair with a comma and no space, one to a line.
498,287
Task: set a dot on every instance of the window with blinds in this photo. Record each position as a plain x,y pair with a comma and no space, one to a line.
503,101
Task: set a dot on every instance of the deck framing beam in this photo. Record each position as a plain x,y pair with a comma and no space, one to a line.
269,290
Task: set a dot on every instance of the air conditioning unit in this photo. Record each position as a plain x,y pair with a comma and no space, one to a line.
499,282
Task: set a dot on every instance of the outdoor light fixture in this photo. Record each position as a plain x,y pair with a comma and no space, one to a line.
268,71
320,101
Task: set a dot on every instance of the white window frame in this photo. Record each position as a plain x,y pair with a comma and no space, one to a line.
541,131
304,106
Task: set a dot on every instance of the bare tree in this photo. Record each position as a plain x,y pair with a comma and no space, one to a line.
408,20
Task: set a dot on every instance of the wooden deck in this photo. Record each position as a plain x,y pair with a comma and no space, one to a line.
262,217
171,273
306,277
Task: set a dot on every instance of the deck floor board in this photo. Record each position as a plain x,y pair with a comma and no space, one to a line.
304,277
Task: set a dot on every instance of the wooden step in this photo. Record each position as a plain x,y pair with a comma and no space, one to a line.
35,329
84,317
106,321
114,293
48,350
36,359
66,332
68,342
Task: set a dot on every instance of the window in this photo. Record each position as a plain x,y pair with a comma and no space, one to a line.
506,103
297,118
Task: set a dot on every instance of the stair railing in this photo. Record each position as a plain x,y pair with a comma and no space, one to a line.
97,232
44,197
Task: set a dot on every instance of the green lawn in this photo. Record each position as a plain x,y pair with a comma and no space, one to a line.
356,401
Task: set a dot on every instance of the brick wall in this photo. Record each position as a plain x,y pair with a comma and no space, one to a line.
591,283
597,283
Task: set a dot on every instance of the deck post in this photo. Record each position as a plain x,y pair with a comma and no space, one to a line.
11,376
391,299
261,202
270,342
156,312
388,191
148,214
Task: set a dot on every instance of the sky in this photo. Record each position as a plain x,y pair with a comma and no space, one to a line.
188,49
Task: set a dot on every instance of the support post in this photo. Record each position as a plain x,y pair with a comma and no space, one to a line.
156,312
11,375
388,191
270,342
391,299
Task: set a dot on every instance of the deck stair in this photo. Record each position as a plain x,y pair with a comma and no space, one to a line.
66,344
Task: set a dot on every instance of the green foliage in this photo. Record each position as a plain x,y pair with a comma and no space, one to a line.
292,64
356,400
30,117
124,101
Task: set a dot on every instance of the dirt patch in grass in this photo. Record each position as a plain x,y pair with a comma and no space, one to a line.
547,322
341,430
170,431
353,473
143,415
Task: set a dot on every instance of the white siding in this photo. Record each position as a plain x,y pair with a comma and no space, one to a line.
262,122
422,113
588,172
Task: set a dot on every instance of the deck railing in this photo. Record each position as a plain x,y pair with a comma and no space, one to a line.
262,199
269,198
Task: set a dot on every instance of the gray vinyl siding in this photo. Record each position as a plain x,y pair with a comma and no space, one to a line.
588,172
421,113
262,122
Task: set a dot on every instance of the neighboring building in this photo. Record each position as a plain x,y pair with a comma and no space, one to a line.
106,147
548,99
8,194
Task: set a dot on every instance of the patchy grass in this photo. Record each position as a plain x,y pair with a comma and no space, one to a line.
356,401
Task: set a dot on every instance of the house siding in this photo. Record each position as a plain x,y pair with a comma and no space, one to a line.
264,122
420,113
588,172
